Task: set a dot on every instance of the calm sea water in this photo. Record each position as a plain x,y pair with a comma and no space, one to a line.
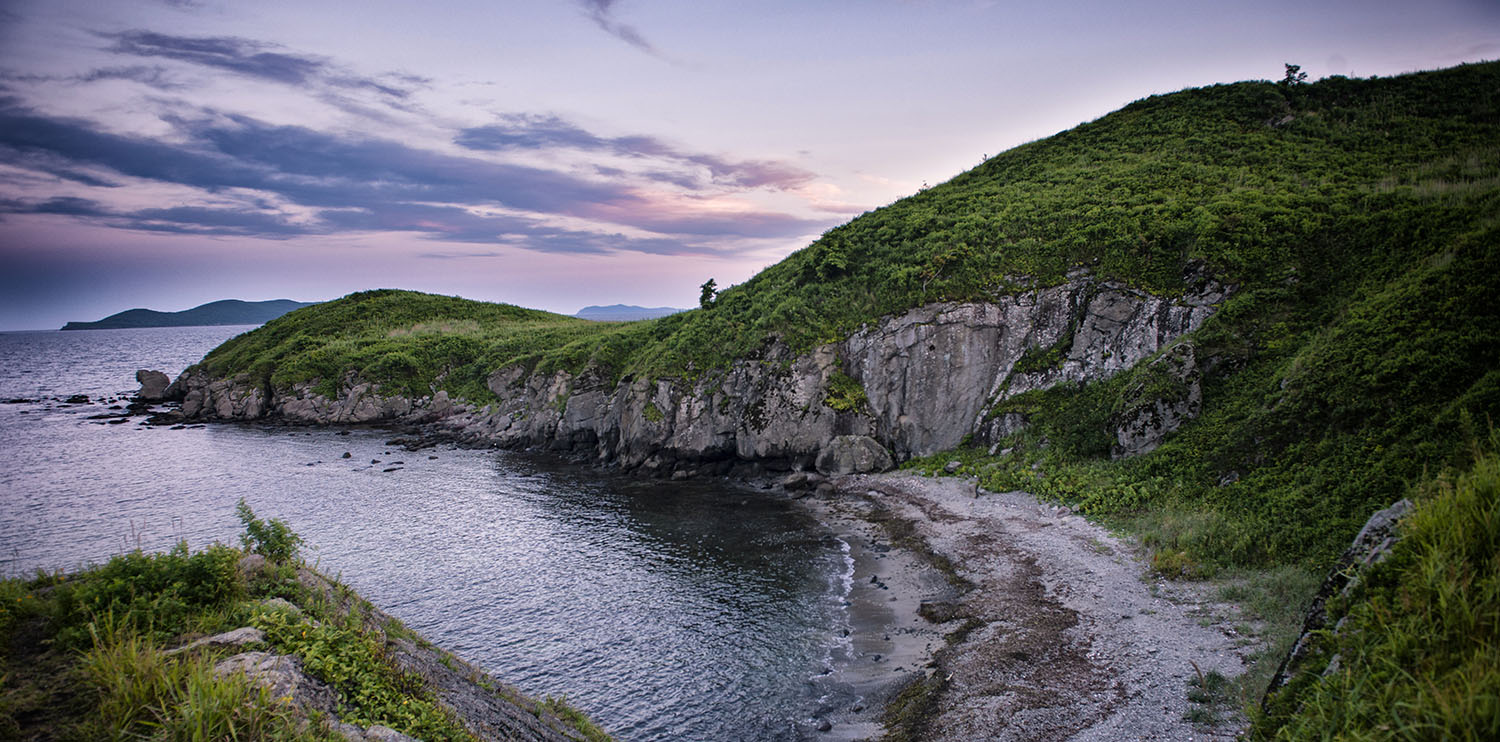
682,611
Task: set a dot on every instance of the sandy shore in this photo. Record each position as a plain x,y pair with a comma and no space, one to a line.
1051,628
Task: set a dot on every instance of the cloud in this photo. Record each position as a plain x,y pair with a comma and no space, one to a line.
532,132
259,60
178,220
601,12
355,183
152,76
237,55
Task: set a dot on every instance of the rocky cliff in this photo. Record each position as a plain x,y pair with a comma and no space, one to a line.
919,382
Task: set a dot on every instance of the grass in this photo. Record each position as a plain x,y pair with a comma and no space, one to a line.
1418,656
906,718
1359,352
144,693
83,656
1210,695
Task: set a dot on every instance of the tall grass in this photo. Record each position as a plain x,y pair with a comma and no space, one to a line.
144,693
1417,656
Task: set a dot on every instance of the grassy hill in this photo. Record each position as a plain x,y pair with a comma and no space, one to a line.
1361,349
1359,355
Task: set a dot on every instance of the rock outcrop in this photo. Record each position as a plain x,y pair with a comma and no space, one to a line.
283,677
153,385
930,376
1169,395
1370,547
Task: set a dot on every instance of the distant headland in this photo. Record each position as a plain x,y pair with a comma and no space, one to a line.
224,312
624,312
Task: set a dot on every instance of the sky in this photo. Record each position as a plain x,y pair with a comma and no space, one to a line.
562,153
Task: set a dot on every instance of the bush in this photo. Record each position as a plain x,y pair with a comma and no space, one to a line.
271,539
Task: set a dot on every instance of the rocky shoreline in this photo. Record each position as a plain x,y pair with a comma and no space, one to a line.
912,385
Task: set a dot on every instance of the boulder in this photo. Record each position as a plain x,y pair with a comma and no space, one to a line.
153,385
236,638
853,454
282,675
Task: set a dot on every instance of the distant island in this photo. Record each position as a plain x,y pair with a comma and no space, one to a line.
624,312
224,312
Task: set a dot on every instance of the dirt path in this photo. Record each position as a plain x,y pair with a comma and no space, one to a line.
1058,634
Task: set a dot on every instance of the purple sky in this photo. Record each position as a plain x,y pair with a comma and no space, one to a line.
560,153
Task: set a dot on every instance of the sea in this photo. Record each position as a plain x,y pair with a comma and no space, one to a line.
699,610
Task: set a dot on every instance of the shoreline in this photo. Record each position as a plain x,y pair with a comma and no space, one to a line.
1052,628
889,644
1061,635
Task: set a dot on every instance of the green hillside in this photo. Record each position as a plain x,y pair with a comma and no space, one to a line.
1361,349
1359,355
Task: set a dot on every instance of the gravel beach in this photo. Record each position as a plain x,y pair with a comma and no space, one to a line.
1038,624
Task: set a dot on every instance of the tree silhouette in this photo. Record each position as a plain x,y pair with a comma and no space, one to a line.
706,299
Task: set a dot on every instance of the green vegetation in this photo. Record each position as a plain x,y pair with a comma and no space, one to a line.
846,394
1417,654
1358,221
1356,218
272,539
84,656
409,343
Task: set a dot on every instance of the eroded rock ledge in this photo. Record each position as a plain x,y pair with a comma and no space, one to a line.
930,377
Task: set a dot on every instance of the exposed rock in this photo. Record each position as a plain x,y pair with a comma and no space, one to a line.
237,638
931,377
380,733
153,385
854,454
281,604
501,713
1370,547
939,611
802,480
1169,395
282,675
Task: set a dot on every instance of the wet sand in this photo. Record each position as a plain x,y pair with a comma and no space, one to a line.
1054,631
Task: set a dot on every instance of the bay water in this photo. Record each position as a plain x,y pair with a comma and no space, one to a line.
666,611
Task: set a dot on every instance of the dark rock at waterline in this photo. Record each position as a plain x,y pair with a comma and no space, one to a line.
19,400
78,399
802,480
154,385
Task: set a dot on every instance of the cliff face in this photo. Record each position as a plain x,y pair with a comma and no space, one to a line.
929,378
